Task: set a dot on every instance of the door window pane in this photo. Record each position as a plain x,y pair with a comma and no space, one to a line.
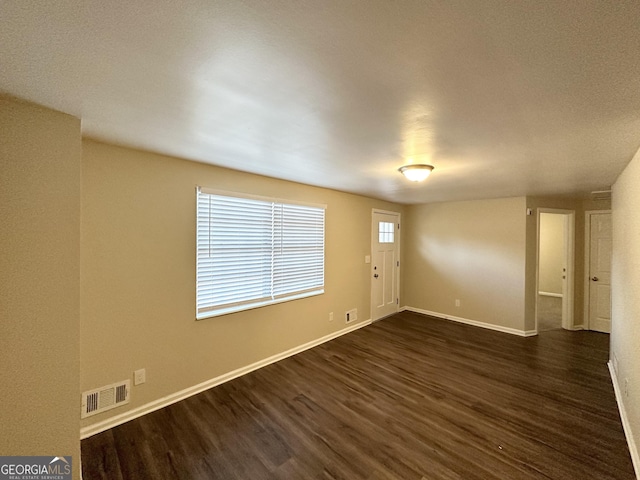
386,232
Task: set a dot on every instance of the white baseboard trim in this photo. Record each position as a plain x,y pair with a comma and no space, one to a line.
111,422
549,294
475,323
626,426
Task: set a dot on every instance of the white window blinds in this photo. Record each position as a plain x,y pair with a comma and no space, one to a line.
253,252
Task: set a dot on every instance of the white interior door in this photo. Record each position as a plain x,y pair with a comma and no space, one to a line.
385,264
600,273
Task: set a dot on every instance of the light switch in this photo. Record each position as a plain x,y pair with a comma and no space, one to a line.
139,376
367,259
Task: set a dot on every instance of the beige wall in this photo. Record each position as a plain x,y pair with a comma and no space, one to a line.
432,283
625,288
551,259
472,251
40,157
138,275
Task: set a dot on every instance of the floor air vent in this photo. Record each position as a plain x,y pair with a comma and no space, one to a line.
105,398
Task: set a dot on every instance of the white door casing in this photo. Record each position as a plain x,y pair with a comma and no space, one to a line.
385,263
599,272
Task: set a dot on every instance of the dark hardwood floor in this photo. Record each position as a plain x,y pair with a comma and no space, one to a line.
409,397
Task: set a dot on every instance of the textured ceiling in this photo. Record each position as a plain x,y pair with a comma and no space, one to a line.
504,98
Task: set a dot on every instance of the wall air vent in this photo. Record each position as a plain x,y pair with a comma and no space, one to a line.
105,398
601,195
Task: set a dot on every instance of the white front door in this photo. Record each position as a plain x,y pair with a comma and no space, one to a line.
600,273
385,263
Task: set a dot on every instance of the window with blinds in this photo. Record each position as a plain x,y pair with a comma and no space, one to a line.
255,251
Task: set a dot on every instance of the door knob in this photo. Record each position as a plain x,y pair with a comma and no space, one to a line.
595,279
375,275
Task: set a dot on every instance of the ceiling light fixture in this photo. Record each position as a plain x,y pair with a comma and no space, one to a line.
417,172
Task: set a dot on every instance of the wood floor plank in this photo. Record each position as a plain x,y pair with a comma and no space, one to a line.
409,397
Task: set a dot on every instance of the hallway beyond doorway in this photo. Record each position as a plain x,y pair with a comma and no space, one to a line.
549,313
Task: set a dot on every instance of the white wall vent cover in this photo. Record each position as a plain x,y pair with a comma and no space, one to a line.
105,398
601,195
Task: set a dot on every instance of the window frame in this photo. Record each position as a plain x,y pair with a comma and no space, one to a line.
278,204
386,235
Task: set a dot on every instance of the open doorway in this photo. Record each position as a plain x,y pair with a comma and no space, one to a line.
556,240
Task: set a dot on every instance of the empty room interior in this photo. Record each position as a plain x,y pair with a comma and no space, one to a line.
217,261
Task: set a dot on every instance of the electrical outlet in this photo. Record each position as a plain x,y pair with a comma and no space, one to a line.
351,315
331,316
457,302
139,376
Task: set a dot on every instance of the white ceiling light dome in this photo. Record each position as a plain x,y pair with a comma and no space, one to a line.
416,172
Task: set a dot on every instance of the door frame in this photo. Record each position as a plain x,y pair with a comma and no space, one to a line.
568,297
587,264
374,233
